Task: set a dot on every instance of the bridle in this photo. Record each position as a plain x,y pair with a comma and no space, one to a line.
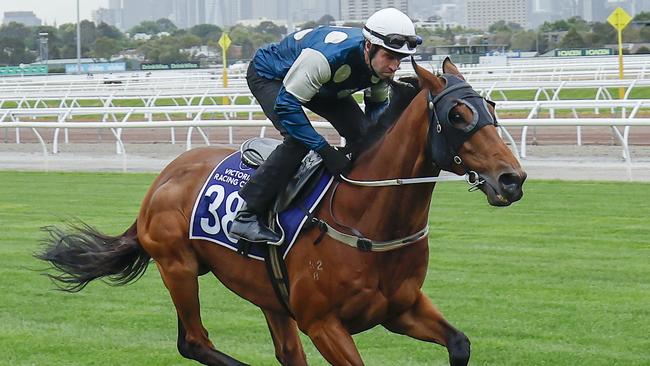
439,147
443,143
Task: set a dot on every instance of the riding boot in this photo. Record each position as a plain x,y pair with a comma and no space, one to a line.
261,190
250,226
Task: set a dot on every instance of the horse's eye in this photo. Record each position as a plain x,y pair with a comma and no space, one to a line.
457,119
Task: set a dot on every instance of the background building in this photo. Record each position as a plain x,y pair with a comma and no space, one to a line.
27,18
360,10
483,13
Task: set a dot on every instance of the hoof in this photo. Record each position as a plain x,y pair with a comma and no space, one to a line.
458,347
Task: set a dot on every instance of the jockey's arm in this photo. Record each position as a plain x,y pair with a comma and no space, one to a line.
305,77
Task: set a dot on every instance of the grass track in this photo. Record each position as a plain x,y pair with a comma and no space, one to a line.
561,278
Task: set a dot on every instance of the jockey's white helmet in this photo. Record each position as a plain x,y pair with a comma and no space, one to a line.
393,30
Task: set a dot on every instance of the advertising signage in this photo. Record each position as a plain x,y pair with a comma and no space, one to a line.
24,70
96,68
172,66
584,52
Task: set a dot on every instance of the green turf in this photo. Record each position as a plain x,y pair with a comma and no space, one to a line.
560,278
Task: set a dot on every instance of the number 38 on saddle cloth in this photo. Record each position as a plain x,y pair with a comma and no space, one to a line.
218,201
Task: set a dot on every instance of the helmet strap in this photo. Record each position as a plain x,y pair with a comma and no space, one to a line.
371,54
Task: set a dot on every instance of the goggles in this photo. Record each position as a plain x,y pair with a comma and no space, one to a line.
397,40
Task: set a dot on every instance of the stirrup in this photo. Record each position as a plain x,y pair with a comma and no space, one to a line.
244,239
254,231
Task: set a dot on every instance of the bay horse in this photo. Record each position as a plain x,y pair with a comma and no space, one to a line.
335,290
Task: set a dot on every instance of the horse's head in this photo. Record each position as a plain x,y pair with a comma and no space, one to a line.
463,136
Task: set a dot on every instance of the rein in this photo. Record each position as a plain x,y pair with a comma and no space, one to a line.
472,178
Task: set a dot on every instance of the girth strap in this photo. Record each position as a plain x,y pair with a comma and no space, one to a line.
367,245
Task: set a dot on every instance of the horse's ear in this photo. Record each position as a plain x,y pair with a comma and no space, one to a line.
448,67
427,79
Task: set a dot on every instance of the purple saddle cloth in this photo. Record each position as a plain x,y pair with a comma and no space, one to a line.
219,200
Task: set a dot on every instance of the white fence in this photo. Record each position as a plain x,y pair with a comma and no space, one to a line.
536,69
212,94
55,102
628,110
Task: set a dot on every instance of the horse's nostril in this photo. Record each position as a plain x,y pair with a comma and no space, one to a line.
510,183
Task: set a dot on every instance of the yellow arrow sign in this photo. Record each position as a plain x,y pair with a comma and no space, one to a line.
224,41
619,19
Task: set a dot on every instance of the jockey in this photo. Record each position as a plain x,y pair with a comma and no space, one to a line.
319,69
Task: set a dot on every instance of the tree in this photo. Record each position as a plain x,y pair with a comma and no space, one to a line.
88,33
104,48
353,24
557,26
15,30
188,40
325,20
501,38
579,24
602,33
644,33
524,41
515,27
13,52
572,40
270,28
166,25
642,16
449,35
147,26
308,25
108,31
165,49
499,26
206,32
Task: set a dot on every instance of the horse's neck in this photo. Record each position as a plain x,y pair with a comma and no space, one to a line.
391,212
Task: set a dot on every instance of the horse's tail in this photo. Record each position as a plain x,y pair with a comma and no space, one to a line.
83,254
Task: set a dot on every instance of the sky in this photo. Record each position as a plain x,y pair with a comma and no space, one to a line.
61,11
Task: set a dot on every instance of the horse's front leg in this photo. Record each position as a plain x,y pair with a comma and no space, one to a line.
334,342
423,321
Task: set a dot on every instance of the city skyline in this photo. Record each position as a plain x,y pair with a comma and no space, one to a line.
55,11
229,12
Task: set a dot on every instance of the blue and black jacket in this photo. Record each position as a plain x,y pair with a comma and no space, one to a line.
324,61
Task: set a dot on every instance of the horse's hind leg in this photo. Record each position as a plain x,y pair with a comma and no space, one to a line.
179,271
423,321
284,331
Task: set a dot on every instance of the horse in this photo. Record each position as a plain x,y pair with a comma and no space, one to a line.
336,290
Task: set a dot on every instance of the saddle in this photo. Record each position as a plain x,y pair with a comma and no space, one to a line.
256,150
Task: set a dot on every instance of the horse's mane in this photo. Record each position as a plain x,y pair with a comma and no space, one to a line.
402,93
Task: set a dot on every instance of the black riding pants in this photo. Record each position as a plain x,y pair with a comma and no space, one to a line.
344,114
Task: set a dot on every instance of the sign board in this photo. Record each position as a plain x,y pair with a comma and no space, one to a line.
24,70
619,18
172,66
584,52
224,41
96,68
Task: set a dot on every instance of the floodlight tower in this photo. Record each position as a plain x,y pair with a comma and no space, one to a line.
43,49
78,41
